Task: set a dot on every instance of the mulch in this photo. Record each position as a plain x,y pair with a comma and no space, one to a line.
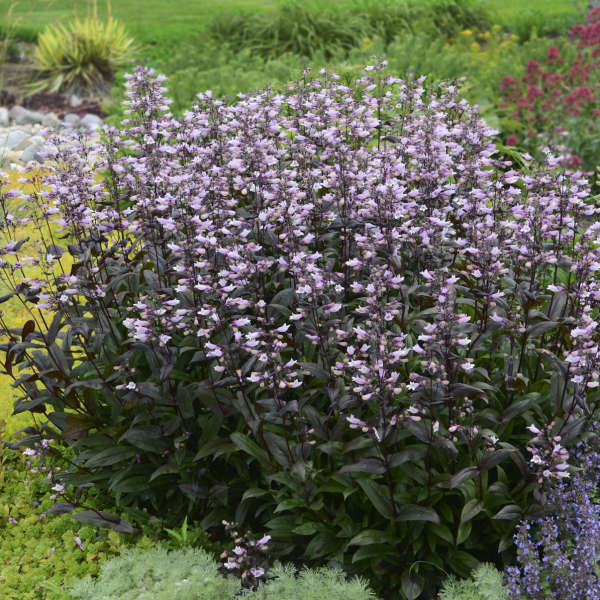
47,102
16,74
60,105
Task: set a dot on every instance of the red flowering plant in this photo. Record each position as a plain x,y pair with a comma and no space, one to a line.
557,104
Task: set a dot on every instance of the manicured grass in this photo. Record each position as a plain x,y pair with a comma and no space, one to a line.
157,21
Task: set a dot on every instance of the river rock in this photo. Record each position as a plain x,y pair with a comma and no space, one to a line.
12,139
34,139
15,111
23,116
32,152
91,121
51,121
9,157
71,120
28,142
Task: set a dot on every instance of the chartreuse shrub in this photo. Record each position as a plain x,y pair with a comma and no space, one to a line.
485,583
329,314
41,549
13,310
191,574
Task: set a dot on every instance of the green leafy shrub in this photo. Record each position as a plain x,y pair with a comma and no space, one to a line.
82,55
327,314
204,65
441,19
482,57
486,583
529,24
217,67
39,550
292,29
304,32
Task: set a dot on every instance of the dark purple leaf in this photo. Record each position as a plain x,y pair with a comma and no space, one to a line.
103,519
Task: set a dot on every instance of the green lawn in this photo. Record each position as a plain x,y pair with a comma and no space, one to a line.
157,21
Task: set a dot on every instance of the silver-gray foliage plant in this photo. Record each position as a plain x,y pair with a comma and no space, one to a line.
191,574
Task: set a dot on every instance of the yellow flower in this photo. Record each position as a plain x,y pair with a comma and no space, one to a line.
366,42
496,27
475,46
466,32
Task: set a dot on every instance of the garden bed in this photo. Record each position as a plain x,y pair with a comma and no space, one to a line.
343,317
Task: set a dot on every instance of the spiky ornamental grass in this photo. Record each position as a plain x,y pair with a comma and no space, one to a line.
83,55
329,314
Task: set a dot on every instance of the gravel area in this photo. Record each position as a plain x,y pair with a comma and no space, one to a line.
24,132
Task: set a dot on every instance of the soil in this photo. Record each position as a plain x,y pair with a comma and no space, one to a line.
60,105
16,72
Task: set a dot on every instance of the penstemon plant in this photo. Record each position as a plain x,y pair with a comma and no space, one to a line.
247,560
328,313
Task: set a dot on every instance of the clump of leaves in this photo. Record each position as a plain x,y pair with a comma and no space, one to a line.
292,29
485,583
299,30
187,574
329,314
80,56
41,549
189,536
310,584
